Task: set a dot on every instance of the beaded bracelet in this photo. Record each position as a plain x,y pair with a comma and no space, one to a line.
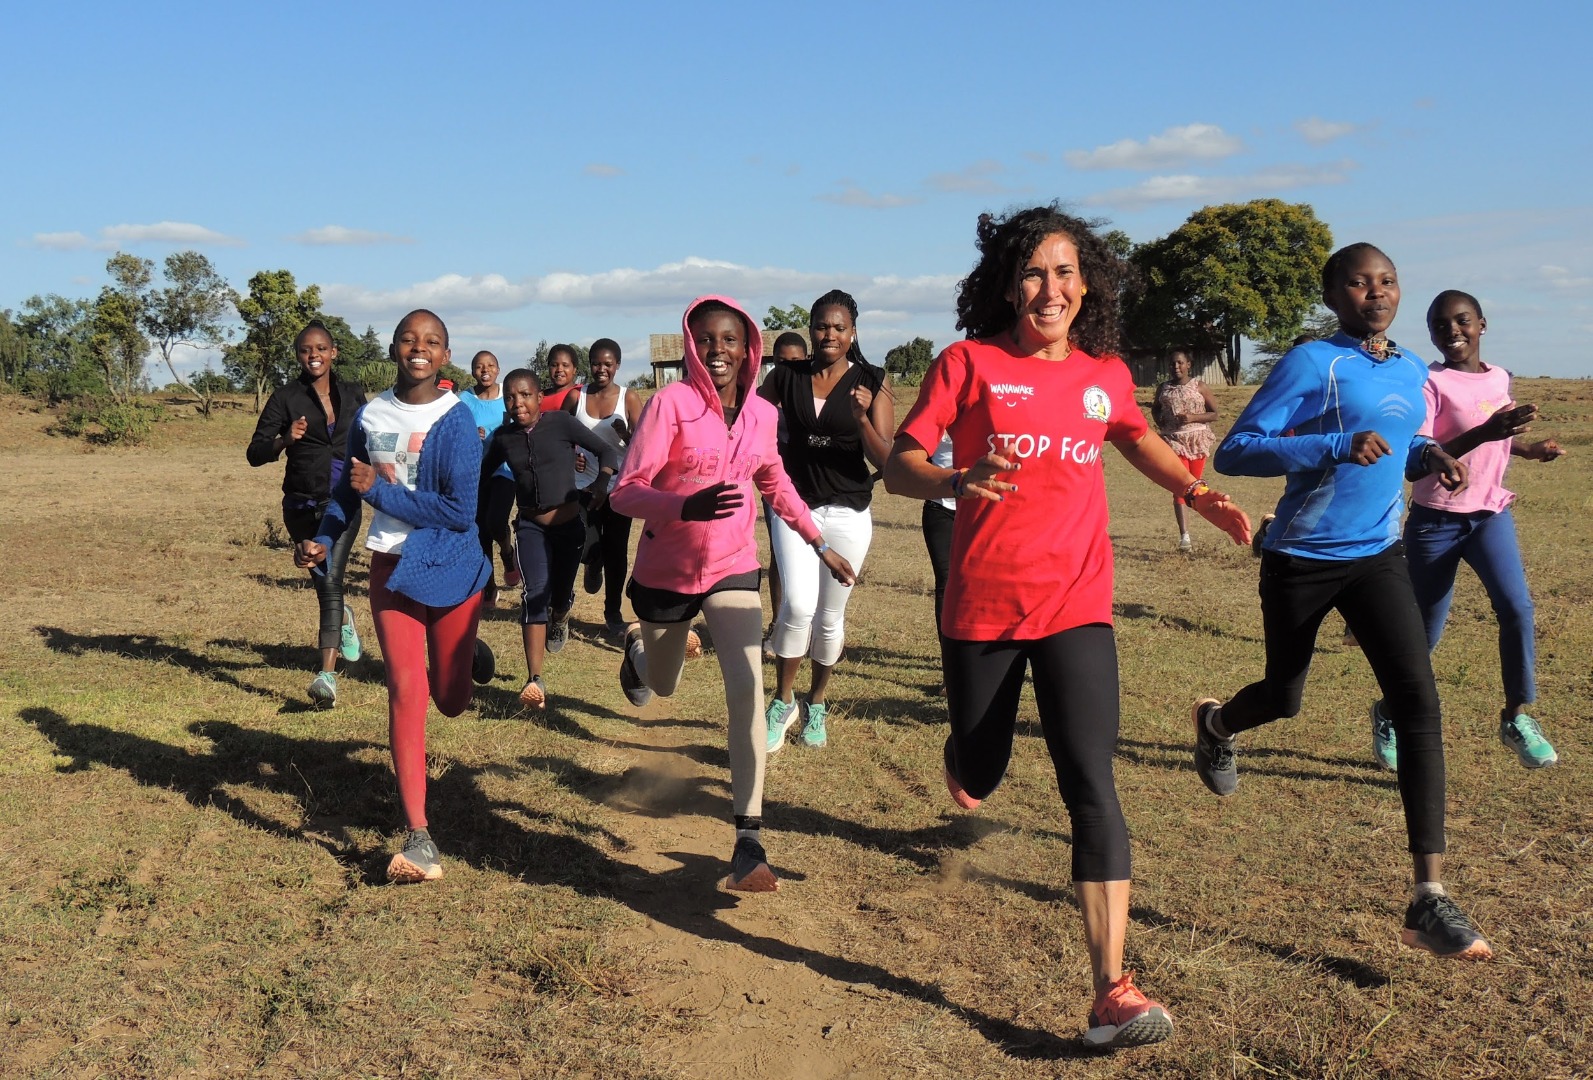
1195,491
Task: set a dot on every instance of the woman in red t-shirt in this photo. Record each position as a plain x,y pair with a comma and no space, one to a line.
1029,399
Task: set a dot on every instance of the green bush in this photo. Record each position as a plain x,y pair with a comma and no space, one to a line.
109,422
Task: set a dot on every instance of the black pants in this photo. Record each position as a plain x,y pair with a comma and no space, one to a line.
1075,687
303,523
492,517
937,523
1374,596
609,540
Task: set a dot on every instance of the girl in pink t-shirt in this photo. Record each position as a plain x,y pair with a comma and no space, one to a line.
1470,411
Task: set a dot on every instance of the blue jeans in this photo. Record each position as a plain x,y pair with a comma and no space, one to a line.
1435,542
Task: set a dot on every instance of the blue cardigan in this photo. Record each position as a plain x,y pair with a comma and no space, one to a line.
441,563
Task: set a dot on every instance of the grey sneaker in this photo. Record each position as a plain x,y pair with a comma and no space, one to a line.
1435,924
813,733
323,689
558,632
637,692
1214,757
419,861
749,868
779,717
1523,735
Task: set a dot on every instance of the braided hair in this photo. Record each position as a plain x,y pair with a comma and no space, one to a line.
871,375
1006,242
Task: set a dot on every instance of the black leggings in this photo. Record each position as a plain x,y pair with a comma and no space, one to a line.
609,539
303,523
1374,596
492,518
937,523
1075,687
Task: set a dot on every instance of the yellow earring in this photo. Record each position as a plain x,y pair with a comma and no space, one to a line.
1083,289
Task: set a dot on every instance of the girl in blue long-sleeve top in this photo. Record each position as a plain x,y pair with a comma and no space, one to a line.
1338,418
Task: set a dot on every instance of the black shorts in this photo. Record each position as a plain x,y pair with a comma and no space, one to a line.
664,606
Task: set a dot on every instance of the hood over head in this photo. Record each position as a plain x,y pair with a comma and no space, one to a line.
697,371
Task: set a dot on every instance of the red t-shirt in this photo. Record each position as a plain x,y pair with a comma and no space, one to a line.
1038,562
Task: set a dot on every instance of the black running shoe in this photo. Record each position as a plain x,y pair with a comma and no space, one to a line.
419,861
483,665
637,692
1436,924
1214,757
749,868
558,633
592,580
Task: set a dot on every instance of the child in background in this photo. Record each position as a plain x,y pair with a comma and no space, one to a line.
1354,404
700,445
558,393
1470,411
539,449
492,512
414,455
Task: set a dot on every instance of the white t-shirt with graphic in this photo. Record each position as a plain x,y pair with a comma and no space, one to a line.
394,435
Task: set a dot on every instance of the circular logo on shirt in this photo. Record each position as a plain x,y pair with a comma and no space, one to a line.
1097,406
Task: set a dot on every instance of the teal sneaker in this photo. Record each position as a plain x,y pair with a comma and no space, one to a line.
813,733
780,715
349,645
1384,748
1523,735
323,689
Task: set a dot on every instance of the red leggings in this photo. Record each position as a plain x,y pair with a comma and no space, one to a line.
409,632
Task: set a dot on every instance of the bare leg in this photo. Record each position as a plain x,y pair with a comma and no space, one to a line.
1178,515
328,659
821,682
1104,908
785,687
536,644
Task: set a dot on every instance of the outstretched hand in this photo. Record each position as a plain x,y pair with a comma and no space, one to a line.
1509,421
1224,513
1544,450
712,503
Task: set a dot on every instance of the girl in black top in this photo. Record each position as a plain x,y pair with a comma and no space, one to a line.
309,419
539,448
839,421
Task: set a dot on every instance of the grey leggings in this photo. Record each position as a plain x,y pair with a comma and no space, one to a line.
735,619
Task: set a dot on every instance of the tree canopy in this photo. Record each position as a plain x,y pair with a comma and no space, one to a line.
273,313
907,363
1229,272
795,317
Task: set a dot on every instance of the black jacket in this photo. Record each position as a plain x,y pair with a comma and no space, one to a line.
309,470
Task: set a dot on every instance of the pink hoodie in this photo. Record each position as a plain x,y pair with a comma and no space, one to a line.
680,446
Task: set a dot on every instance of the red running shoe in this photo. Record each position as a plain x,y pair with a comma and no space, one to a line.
1125,1017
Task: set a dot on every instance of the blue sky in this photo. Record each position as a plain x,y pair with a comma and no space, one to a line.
574,171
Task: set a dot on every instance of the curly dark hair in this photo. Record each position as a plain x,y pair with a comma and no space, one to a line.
1006,242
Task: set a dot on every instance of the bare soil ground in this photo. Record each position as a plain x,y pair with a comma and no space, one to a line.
191,858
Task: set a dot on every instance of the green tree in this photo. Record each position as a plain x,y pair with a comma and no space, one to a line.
14,355
117,340
539,360
1229,272
189,312
273,313
907,363
794,317
60,363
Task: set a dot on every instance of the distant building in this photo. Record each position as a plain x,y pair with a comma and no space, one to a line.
668,354
1150,366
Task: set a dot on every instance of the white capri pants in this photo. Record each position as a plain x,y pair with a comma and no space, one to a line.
812,617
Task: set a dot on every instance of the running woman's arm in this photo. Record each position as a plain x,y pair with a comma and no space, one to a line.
875,412
453,448
1291,397
342,506
272,430
1151,455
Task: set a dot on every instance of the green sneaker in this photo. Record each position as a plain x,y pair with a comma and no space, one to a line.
350,643
323,689
813,733
1384,747
1523,735
780,715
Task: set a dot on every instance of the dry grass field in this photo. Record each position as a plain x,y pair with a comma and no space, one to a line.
191,859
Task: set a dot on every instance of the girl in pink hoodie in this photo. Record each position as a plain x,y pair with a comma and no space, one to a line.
700,446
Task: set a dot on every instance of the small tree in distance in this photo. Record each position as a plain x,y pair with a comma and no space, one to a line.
907,363
795,317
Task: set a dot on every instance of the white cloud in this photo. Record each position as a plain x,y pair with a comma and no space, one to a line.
164,232
1175,146
60,241
1205,189
660,289
599,168
1559,277
976,179
852,195
330,235
1317,131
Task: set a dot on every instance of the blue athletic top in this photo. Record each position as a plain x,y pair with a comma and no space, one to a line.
1300,425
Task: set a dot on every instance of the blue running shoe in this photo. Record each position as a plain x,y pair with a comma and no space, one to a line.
323,689
780,715
1384,747
813,733
349,642
1523,735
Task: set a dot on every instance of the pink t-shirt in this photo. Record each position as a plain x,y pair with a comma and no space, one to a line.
1458,401
1040,562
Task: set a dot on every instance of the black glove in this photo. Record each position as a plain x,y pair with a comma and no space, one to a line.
712,503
